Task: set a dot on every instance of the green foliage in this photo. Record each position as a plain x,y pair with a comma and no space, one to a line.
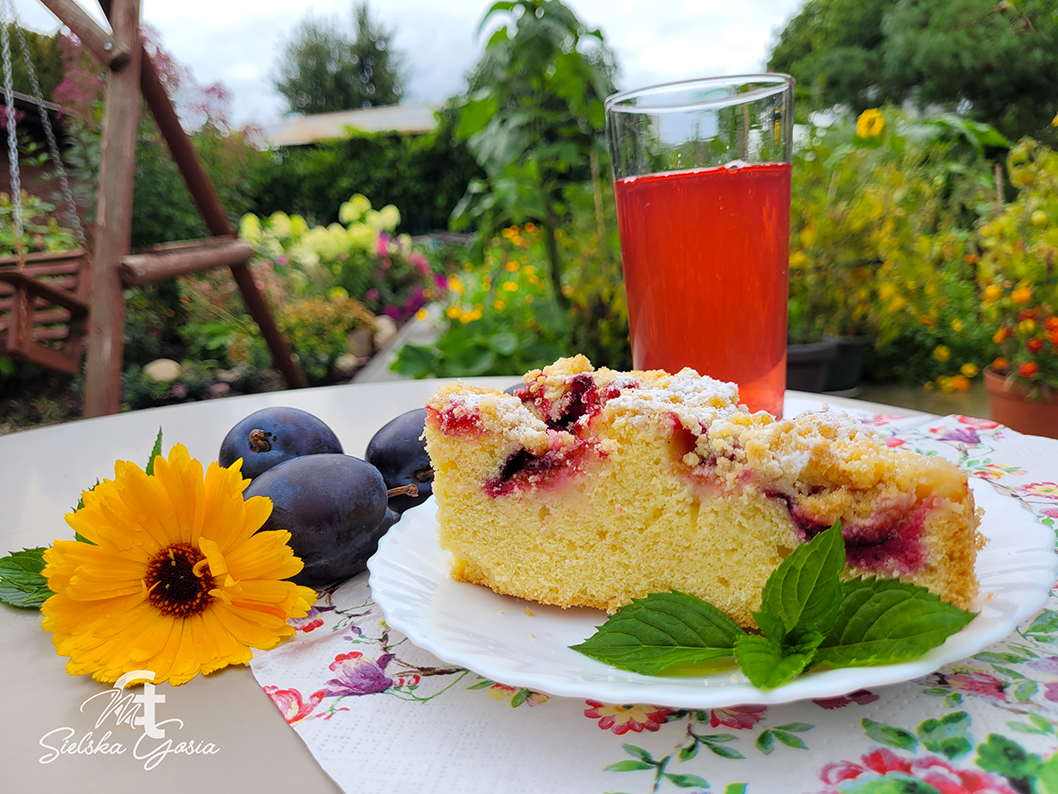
1016,270
45,55
40,227
424,176
533,117
323,68
882,219
862,54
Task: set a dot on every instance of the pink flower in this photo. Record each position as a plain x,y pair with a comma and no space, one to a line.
894,442
931,770
291,704
622,719
372,294
980,424
1045,489
420,262
977,683
382,246
860,696
1050,512
737,717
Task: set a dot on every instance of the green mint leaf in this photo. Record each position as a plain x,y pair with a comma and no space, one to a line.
659,631
771,626
155,452
21,582
805,590
768,664
886,620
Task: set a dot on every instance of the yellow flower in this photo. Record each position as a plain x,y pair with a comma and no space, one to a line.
510,286
422,314
992,293
1027,327
455,285
969,370
1054,121
499,305
957,326
942,352
870,123
174,580
512,266
453,311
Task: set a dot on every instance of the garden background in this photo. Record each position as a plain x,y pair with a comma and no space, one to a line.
924,214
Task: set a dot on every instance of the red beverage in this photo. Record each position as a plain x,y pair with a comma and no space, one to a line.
705,256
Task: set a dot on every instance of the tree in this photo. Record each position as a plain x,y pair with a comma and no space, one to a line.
45,54
323,68
533,117
997,62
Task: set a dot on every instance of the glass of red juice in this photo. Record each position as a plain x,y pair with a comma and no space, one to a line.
702,182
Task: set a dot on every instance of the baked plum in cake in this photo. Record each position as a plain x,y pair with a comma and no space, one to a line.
590,487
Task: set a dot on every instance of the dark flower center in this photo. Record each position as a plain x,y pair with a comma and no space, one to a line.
174,586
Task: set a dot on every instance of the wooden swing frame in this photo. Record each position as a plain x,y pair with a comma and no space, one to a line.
95,310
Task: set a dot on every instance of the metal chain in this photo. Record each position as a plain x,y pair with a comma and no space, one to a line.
53,146
12,142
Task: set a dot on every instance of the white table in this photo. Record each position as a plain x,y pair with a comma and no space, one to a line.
44,472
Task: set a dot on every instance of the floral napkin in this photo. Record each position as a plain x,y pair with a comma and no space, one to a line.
377,711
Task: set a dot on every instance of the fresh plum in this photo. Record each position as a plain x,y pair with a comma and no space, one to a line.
335,508
271,436
399,453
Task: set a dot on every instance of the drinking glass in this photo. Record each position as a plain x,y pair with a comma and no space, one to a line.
702,181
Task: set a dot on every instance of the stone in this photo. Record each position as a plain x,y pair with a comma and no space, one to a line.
347,363
359,342
385,330
163,370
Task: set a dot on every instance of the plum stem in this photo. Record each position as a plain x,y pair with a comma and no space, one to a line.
411,489
259,441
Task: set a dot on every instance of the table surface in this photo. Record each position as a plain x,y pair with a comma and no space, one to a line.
45,471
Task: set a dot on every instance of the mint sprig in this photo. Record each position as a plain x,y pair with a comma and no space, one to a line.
21,582
808,617
655,633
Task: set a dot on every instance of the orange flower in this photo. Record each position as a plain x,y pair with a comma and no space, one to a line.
1034,345
1051,323
1028,369
1000,335
1000,365
1021,296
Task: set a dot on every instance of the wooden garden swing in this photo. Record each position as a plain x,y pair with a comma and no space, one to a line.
60,305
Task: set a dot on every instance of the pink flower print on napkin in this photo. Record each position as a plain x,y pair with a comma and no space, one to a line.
848,776
291,704
358,675
622,719
1048,490
978,683
861,697
737,717
980,424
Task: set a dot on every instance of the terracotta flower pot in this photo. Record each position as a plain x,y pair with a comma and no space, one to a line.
1011,406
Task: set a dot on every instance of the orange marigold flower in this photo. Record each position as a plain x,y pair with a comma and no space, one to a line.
1000,364
960,383
1051,323
1034,345
969,370
1000,335
1021,295
993,292
1028,369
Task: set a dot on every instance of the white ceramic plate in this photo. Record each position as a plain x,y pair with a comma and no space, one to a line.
496,637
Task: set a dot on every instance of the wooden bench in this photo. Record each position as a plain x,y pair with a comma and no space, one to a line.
43,308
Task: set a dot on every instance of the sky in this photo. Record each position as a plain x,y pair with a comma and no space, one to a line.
237,42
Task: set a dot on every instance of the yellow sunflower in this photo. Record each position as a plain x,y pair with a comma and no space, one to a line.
174,579
870,123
